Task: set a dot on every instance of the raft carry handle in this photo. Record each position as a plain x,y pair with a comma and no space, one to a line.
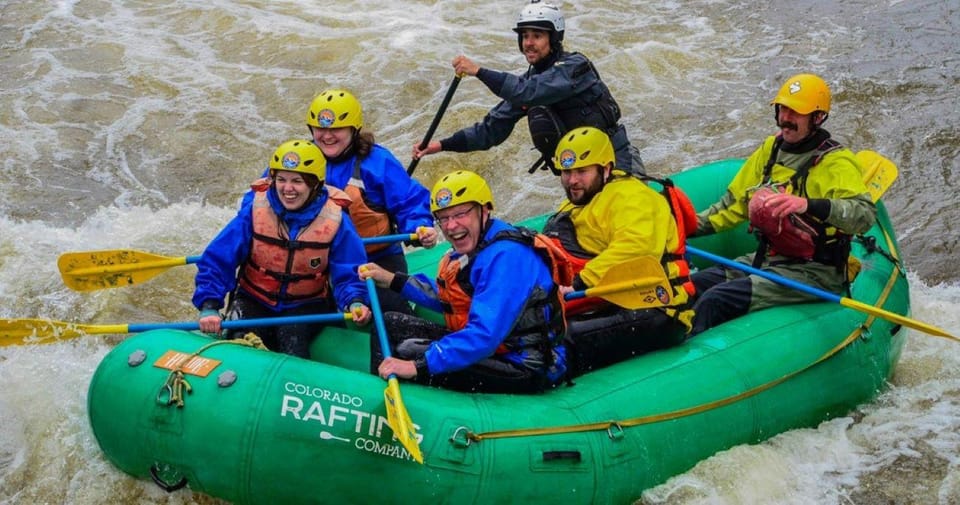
555,455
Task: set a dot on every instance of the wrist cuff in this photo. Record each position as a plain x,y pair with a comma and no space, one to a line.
421,364
399,280
819,208
456,143
578,284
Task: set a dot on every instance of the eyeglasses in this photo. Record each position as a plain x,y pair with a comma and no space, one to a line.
456,216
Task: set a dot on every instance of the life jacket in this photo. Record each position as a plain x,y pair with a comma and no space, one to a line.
791,236
685,215
370,220
279,269
563,233
802,238
564,237
532,334
547,123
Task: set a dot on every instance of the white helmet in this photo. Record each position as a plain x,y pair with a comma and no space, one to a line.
541,16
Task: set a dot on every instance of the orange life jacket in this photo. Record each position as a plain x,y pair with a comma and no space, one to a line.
369,220
280,269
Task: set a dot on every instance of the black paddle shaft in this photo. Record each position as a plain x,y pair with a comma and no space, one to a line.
435,123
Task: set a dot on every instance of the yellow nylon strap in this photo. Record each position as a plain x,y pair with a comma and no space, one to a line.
676,414
666,416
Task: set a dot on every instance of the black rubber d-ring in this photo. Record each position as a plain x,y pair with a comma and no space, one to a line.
154,473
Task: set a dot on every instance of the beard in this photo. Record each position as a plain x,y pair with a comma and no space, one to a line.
588,193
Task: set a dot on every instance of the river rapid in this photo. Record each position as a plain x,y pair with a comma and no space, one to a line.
138,124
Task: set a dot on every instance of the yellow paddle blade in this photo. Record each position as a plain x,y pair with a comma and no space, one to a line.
635,284
93,270
896,318
399,420
44,331
878,172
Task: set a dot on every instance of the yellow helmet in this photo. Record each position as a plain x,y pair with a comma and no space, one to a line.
582,147
301,156
804,93
335,108
459,187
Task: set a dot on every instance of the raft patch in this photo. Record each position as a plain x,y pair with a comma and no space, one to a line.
187,363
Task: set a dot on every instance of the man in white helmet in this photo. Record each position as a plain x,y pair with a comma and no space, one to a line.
559,91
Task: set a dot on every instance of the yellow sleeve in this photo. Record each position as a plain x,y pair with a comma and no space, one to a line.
626,220
733,209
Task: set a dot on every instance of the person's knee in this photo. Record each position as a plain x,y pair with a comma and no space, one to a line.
412,348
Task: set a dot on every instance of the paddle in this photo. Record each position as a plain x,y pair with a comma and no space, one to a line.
878,173
638,283
435,122
397,417
830,297
43,331
93,270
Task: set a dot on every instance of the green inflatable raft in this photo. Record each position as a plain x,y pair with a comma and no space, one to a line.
253,426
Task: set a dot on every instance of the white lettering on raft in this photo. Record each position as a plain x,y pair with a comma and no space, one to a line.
323,394
360,422
375,446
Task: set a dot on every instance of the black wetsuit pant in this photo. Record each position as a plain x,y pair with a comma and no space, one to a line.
614,334
409,336
722,295
292,339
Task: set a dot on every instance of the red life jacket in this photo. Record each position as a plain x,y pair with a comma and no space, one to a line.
801,237
788,236
280,269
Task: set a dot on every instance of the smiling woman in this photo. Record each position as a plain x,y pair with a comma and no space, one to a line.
291,241
294,189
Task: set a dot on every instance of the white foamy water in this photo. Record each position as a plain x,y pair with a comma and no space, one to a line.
138,124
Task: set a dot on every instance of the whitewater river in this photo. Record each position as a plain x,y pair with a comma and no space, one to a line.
137,124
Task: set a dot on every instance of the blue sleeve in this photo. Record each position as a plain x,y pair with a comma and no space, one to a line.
496,305
405,199
422,290
217,268
346,255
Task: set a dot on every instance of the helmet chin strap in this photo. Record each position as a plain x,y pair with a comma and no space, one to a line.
484,223
822,118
